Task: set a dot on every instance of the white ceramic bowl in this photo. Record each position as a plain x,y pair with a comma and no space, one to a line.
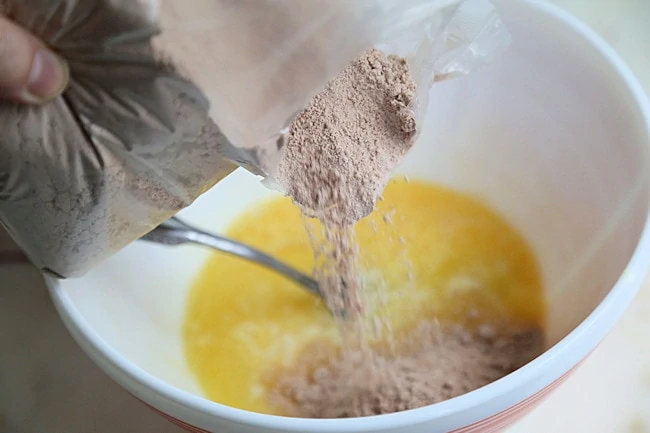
555,136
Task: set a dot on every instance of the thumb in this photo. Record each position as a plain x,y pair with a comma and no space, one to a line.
29,72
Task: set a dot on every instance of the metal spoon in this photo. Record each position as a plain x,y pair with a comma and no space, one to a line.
176,232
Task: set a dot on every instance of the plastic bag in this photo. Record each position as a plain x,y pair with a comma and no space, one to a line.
129,143
274,55
141,131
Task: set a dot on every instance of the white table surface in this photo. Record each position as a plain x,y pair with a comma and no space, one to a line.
47,385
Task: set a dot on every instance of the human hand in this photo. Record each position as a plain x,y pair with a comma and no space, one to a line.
29,72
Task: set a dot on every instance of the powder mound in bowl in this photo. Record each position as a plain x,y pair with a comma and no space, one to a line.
341,149
434,365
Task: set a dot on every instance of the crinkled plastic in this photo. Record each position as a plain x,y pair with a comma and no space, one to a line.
129,143
167,99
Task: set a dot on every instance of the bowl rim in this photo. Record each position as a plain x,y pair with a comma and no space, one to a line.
558,359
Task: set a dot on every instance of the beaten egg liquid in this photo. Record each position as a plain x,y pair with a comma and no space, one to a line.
435,253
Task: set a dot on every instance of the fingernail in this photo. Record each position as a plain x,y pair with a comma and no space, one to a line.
48,77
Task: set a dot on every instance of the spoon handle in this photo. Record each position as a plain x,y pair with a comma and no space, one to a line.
178,233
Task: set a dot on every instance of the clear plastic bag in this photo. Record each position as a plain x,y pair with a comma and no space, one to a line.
156,113
274,55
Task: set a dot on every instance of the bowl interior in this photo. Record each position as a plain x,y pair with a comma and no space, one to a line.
549,136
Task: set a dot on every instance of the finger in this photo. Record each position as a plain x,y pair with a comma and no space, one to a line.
29,72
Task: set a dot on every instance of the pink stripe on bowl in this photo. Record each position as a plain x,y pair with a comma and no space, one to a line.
499,421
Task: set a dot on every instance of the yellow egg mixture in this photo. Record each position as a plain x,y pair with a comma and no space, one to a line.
243,321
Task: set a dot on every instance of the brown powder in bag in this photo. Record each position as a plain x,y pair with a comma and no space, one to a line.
341,150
